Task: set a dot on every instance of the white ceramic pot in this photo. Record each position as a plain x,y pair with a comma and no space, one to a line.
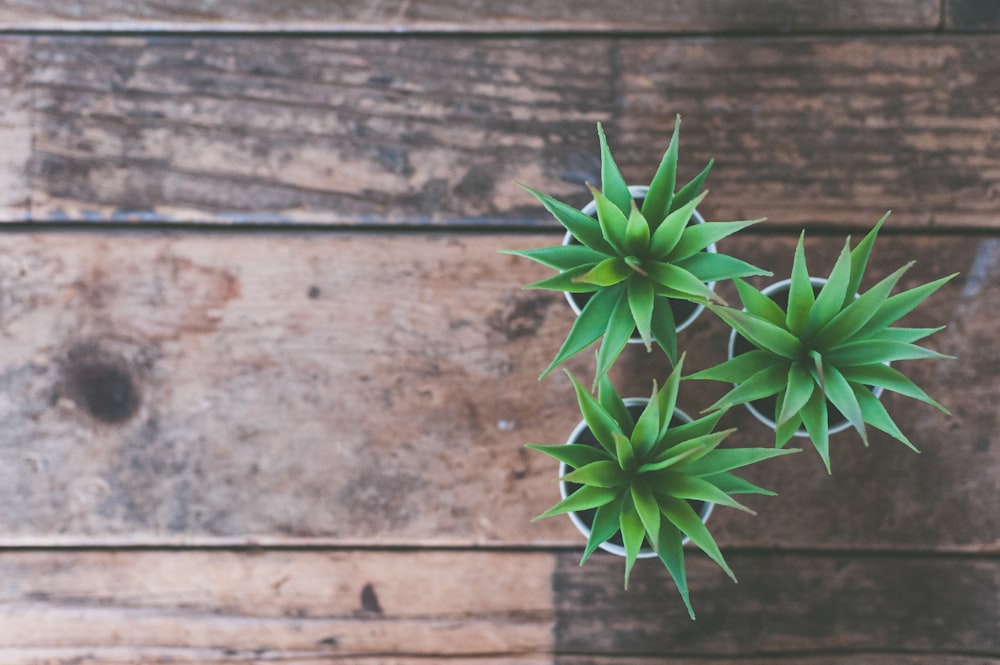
639,192
607,546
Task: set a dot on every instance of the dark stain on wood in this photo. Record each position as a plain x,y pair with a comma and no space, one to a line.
523,315
102,383
972,15
369,601
784,605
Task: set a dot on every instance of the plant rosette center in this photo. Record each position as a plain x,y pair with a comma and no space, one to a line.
583,520
809,360
684,311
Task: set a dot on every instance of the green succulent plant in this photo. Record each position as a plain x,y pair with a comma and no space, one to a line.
826,349
634,259
643,472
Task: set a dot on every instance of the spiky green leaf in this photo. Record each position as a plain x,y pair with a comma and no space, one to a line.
575,455
669,233
902,304
859,259
606,273
692,188
760,305
637,233
663,328
831,297
640,303
840,394
858,313
726,459
619,330
680,513
890,379
739,368
612,182
671,553
681,281
582,226
585,498
607,522
712,267
761,333
602,473
800,291
661,188
624,452
633,534
589,325
870,352
731,484
613,222
601,424
568,281
684,486
768,381
560,257
649,511
613,403
697,237
876,416
800,389
814,417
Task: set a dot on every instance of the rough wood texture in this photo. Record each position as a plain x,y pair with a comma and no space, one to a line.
244,607
472,16
377,389
15,131
786,606
972,15
429,131
499,608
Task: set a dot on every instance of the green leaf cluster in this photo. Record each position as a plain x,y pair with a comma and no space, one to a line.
641,476
635,259
826,349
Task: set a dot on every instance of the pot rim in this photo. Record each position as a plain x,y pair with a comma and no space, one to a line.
801,433
639,191
645,552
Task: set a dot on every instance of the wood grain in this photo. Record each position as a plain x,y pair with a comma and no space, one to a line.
832,608
971,15
15,131
479,16
498,608
818,130
368,389
239,607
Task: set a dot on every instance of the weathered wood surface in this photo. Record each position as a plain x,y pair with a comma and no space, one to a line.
786,605
481,16
818,130
971,15
351,388
493,607
300,604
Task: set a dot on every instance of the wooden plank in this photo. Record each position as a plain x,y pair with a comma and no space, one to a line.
498,608
520,16
251,607
819,130
15,130
852,658
786,608
971,15
169,656
351,388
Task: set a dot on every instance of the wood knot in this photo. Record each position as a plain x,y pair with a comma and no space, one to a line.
101,383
